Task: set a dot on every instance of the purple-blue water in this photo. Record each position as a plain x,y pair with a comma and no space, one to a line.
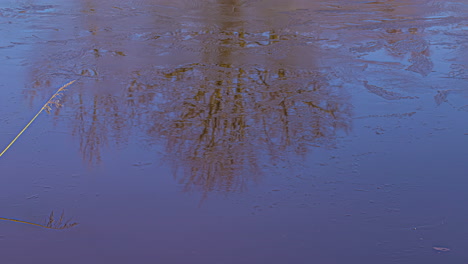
234,132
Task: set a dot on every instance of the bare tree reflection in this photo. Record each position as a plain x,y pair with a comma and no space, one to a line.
247,99
221,119
222,128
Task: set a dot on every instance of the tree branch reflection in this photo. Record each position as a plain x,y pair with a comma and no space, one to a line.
224,127
243,98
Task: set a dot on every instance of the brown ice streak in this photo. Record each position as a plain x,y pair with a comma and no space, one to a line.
389,95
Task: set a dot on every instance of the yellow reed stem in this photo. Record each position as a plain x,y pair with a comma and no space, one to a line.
24,222
45,107
51,225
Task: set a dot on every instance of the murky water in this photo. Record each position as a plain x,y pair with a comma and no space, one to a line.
235,131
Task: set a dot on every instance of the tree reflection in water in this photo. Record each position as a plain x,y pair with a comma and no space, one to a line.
221,128
245,99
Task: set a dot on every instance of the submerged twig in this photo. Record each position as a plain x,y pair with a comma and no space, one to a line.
54,100
51,223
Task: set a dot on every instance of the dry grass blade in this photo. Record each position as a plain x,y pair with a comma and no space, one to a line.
53,101
51,219
51,223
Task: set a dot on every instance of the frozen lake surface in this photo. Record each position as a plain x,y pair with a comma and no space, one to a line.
255,131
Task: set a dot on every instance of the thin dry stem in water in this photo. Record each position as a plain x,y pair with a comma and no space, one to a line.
54,100
51,223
